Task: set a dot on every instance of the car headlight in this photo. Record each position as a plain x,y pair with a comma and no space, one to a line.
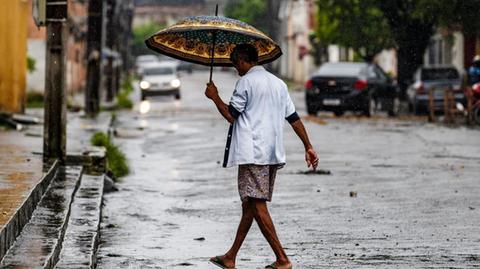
175,83
144,85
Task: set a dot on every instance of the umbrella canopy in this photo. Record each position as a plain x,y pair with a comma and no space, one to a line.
193,38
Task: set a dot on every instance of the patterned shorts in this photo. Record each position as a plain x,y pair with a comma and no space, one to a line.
256,181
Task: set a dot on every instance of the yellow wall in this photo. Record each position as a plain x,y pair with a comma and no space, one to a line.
13,54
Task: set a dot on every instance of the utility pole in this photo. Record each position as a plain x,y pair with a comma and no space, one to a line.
110,43
94,56
54,140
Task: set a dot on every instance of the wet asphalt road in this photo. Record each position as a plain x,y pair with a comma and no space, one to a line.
417,186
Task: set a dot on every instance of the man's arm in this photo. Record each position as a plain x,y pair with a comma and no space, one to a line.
212,93
310,154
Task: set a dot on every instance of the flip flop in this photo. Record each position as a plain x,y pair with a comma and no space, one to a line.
272,266
218,262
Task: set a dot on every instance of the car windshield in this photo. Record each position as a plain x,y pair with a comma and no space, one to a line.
158,71
440,73
340,70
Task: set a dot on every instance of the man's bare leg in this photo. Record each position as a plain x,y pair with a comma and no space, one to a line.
245,223
265,223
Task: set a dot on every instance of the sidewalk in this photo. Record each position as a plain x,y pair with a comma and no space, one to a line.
23,176
20,172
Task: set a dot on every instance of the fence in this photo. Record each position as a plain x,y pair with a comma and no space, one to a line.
450,108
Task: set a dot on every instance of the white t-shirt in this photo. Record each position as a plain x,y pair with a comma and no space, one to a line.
263,103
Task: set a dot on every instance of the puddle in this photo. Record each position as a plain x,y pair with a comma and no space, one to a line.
440,156
386,165
178,210
141,217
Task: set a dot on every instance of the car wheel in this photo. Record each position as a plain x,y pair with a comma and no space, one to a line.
312,110
338,113
177,96
370,107
417,110
311,107
143,96
476,115
395,109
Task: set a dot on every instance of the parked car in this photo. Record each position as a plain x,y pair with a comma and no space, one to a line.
160,79
143,60
364,87
185,66
438,79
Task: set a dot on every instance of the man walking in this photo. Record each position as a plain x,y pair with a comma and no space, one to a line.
257,112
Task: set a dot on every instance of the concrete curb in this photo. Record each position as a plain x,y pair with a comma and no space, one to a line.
81,239
48,224
92,157
15,225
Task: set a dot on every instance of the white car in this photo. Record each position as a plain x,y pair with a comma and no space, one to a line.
160,79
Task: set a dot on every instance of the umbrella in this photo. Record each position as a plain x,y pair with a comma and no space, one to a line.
209,40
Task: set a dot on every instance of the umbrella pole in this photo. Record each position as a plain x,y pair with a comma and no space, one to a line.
213,47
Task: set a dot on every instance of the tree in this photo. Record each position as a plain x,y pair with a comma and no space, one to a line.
368,26
461,15
142,32
253,12
412,24
358,24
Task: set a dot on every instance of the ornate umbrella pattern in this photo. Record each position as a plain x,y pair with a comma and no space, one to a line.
192,40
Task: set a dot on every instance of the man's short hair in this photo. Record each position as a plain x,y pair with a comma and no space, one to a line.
246,52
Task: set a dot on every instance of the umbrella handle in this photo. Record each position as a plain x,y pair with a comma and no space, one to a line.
213,47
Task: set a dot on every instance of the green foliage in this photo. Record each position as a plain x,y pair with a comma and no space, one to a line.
124,101
100,139
412,24
358,24
31,64
35,99
460,15
116,160
127,84
253,12
123,97
368,26
142,32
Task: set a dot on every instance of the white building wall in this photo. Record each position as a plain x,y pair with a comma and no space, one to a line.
458,57
36,50
446,50
387,60
333,53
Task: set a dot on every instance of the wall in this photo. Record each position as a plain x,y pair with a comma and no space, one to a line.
13,53
35,49
387,60
446,49
297,22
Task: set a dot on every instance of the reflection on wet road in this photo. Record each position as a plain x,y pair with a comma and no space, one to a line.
415,204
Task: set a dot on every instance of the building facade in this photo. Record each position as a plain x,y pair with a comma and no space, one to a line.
13,52
76,49
296,22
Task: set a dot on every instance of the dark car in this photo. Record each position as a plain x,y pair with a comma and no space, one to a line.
364,87
185,66
437,79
